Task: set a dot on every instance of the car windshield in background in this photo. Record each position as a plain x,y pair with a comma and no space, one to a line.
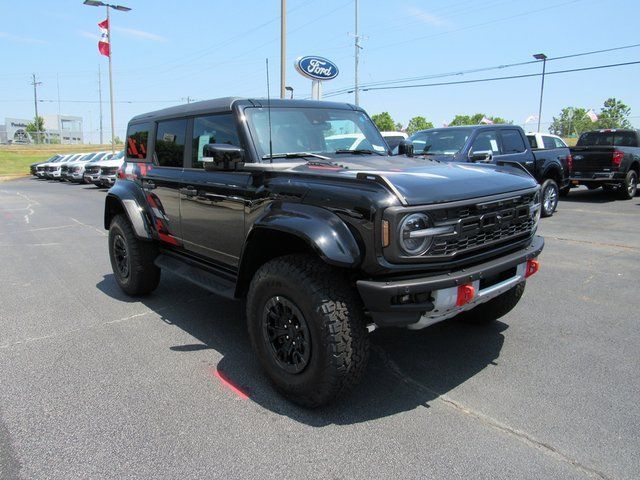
607,139
321,131
445,141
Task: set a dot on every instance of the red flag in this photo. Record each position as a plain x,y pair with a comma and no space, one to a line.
103,43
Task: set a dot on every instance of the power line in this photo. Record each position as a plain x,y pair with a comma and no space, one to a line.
510,77
477,70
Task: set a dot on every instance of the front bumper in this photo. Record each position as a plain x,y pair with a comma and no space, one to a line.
433,293
55,174
108,180
75,176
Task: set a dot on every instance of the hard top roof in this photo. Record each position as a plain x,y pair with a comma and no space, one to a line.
225,104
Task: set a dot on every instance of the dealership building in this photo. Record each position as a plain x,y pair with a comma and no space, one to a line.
65,129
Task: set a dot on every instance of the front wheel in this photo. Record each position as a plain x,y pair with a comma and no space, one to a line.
495,308
549,197
132,259
629,188
307,328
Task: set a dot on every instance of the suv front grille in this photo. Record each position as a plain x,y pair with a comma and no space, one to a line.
482,224
92,170
108,170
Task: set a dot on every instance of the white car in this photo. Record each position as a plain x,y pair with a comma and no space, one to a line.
545,141
58,170
108,169
393,139
75,170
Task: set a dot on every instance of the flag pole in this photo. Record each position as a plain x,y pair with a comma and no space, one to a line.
113,146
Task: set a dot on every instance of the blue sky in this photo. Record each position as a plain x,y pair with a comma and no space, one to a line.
164,52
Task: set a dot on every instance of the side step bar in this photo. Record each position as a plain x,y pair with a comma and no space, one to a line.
200,276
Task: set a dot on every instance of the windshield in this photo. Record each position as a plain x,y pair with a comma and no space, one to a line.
608,139
444,141
88,157
322,131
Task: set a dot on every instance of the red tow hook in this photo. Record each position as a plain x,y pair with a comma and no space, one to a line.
466,293
532,267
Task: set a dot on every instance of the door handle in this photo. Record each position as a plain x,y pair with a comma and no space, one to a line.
189,191
149,185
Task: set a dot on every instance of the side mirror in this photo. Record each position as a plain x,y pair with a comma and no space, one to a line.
220,156
481,156
405,147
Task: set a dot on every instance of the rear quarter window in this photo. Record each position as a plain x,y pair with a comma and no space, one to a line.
138,141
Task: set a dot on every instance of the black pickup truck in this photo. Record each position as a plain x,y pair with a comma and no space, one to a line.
245,198
609,159
500,144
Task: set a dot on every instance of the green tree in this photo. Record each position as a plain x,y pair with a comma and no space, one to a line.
398,126
614,114
384,122
475,119
571,121
36,128
418,123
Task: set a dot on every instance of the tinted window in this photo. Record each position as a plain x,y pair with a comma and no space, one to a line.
212,129
532,141
137,138
169,150
608,139
559,143
512,141
445,141
548,142
393,142
486,141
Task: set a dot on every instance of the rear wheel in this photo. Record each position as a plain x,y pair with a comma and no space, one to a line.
593,186
549,197
495,308
132,260
629,188
307,327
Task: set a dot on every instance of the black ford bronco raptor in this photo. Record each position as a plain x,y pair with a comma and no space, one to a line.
259,201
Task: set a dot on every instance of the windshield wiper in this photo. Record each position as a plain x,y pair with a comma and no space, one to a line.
361,151
294,155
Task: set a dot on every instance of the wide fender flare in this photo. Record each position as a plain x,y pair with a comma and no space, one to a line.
129,198
326,233
553,171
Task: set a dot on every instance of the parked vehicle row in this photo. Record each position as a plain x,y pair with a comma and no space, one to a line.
98,168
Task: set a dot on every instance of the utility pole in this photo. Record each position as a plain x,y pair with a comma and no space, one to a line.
283,47
100,102
357,43
35,103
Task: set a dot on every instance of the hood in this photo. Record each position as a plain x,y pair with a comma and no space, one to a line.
110,163
425,181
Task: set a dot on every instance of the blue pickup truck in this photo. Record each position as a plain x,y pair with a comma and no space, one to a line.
496,144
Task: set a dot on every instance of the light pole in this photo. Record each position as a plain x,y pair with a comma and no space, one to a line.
94,3
283,46
543,57
289,89
35,104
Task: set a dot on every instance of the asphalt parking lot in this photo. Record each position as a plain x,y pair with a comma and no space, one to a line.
97,385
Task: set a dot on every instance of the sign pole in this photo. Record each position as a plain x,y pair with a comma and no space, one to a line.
113,123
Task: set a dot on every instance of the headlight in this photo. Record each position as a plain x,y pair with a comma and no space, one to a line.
412,243
535,209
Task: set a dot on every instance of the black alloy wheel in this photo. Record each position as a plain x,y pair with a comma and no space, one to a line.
286,333
121,256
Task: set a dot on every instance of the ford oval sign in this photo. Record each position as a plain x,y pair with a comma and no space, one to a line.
316,68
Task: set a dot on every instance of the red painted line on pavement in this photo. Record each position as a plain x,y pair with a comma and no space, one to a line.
227,383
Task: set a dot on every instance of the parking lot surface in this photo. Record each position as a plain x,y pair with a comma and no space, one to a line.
94,384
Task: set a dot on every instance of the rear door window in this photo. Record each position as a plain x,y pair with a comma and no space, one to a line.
532,141
549,142
512,141
559,143
137,141
169,151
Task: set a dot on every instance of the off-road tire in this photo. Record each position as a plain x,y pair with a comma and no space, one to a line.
143,275
334,316
593,186
608,188
549,187
495,308
629,187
